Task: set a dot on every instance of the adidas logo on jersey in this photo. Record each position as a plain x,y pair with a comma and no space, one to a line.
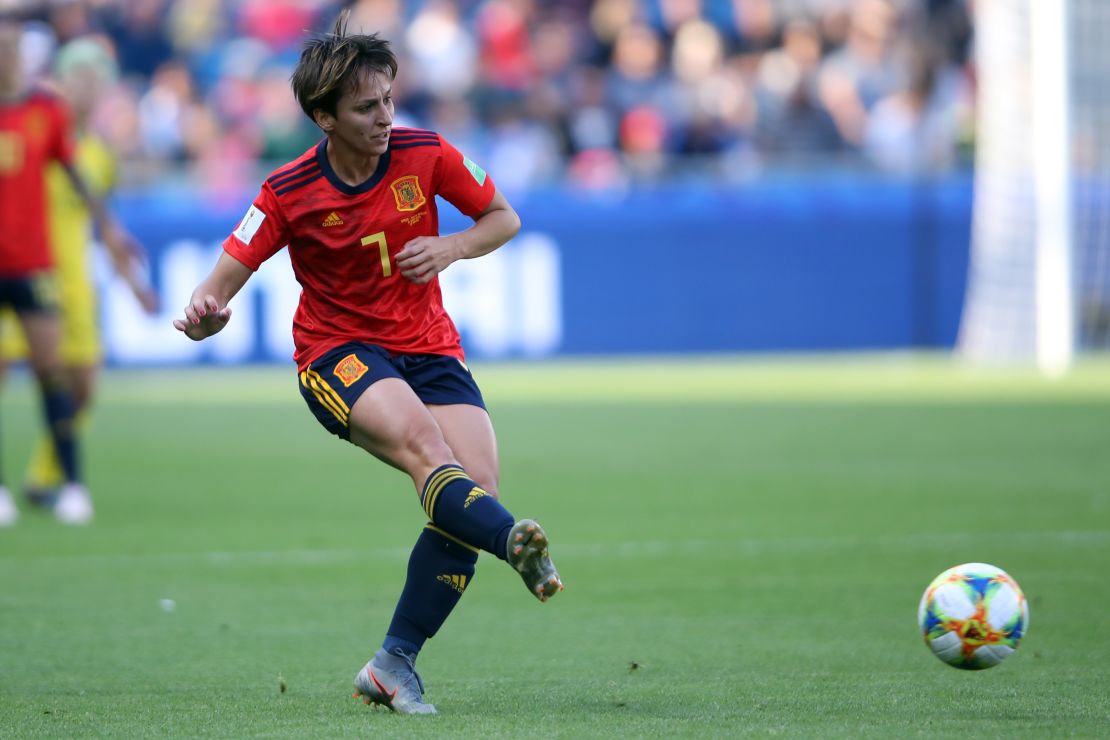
456,582
333,219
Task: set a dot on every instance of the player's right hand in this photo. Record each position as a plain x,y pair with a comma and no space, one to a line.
203,318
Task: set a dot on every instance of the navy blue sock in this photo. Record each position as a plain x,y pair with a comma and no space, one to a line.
460,507
58,406
440,569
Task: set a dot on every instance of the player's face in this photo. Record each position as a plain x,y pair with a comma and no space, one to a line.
364,116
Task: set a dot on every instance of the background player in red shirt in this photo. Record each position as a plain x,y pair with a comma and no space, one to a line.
379,359
34,132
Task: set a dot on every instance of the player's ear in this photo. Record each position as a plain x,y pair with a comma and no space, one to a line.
324,120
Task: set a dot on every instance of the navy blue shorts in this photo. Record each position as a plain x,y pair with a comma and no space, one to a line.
331,385
34,293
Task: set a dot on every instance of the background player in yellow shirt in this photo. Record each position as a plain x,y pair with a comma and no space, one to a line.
83,68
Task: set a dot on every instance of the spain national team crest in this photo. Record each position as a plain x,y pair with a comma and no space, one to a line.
350,369
407,193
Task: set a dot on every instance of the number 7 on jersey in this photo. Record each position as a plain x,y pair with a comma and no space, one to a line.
383,249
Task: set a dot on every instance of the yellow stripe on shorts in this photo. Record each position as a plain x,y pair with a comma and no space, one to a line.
325,395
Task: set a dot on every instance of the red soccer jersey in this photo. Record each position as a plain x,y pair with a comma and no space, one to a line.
343,241
33,132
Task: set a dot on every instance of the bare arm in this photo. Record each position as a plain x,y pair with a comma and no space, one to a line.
208,312
426,256
127,256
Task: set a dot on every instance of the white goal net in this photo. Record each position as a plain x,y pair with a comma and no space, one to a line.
1039,277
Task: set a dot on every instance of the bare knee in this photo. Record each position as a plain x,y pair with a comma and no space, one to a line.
426,448
50,375
485,477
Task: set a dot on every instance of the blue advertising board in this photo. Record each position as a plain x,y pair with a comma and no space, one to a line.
813,264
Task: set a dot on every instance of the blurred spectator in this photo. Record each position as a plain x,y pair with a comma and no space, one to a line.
138,29
603,93
915,131
792,122
857,75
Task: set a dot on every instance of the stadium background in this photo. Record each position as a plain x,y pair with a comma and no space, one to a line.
745,518
718,176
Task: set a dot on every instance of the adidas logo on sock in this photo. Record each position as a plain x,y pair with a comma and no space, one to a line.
456,582
475,494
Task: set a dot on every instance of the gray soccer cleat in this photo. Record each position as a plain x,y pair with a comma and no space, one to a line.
390,679
527,553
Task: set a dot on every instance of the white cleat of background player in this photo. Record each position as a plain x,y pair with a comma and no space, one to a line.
74,505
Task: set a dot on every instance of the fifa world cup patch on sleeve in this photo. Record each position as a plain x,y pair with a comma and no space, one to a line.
407,193
478,172
250,224
350,369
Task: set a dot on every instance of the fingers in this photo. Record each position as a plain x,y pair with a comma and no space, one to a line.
212,324
419,273
198,309
417,263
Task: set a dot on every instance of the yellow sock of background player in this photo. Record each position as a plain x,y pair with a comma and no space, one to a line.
44,472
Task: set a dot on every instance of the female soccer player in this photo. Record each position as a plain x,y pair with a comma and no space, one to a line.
35,132
83,68
379,360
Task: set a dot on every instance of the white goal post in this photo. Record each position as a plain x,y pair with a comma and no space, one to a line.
1039,275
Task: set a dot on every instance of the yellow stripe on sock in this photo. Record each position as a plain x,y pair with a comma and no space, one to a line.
433,481
310,383
436,486
451,537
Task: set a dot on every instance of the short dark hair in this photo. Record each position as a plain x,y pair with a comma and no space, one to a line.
334,63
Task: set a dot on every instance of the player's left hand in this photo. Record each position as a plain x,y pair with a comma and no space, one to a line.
426,256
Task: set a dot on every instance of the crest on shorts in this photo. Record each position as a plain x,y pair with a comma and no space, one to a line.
407,193
350,369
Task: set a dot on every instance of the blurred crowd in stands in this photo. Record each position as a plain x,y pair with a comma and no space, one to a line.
595,93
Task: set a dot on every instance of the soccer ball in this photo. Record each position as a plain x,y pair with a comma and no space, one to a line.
973,616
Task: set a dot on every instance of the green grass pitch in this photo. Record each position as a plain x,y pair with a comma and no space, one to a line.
744,544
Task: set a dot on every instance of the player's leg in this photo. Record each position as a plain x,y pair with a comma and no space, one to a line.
42,328
44,475
389,421
469,433
80,352
9,514
357,393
